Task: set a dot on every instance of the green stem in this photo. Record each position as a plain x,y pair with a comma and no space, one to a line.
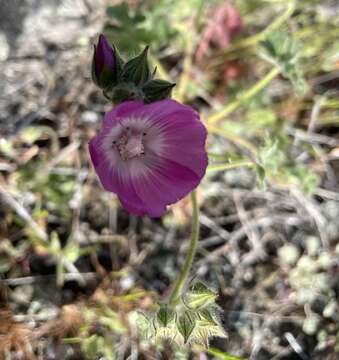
229,166
179,93
253,40
236,139
244,97
180,283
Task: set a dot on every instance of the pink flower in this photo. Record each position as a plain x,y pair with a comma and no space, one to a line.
150,155
224,24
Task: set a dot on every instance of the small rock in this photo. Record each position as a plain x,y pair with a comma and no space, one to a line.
89,117
4,47
288,254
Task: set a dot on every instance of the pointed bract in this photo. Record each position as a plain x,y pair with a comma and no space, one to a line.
157,89
186,324
200,296
137,69
165,315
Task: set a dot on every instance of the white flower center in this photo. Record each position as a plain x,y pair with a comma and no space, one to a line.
130,145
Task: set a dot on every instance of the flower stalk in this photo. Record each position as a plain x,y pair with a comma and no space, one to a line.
181,281
260,85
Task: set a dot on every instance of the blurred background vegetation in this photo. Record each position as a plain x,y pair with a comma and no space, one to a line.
75,268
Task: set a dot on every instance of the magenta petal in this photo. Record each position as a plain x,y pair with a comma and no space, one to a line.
127,108
93,150
135,208
166,183
185,144
114,178
166,109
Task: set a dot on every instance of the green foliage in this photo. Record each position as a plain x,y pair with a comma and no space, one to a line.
275,163
281,48
309,280
125,29
56,189
194,320
9,253
159,23
65,256
220,355
93,345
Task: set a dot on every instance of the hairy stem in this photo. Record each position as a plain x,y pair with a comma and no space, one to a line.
180,283
229,166
234,138
260,85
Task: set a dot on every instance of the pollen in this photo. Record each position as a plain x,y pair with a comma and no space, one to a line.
129,145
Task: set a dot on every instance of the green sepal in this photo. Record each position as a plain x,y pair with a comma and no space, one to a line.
165,315
145,326
186,324
137,69
94,76
157,89
119,63
123,92
206,318
200,296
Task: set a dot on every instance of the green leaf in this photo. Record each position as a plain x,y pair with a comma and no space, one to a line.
72,252
280,47
32,133
122,14
145,327
261,174
92,346
111,319
119,12
5,264
55,245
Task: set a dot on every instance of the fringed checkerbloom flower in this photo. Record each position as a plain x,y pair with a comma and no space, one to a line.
150,155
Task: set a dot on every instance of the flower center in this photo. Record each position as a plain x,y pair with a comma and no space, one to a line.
129,145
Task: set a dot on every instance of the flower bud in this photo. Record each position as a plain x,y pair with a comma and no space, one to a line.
105,64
